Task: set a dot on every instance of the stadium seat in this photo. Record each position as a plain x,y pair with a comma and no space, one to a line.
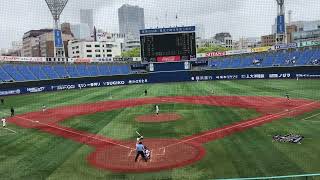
13,72
93,70
26,73
83,70
38,72
72,71
4,76
50,72
104,70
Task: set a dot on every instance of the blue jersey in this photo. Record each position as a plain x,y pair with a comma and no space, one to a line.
139,147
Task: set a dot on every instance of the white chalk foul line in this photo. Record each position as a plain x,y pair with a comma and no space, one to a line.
11,130
311,117
264,118
65,130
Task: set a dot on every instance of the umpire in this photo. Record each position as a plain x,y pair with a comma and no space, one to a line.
140,151
12,111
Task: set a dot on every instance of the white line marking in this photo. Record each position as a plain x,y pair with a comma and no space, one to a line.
238,125
130,152
8,134
163,152
65,130
11,130
311,117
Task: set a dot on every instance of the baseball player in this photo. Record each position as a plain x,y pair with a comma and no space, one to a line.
157,109
44,108
12,111
3,122
139,139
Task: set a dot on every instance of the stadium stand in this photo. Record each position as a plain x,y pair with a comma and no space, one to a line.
34,72
10,72
270,59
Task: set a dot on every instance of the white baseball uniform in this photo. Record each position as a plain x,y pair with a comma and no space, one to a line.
3,122
157,109
44,108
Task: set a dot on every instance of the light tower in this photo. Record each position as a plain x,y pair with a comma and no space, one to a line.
281,24
56,7
289,17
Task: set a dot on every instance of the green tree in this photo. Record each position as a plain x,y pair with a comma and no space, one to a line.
212,48
135,52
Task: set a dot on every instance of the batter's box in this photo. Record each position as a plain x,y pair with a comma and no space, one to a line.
159,152
154,152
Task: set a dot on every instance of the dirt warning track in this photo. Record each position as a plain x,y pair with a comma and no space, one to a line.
118,156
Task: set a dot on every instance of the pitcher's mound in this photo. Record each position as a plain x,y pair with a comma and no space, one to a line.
165,154
165,117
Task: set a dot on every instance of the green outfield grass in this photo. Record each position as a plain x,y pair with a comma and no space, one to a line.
30,154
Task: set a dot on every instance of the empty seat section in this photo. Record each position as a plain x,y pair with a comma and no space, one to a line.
26,73
13,72
225,63
305,56
93,70
104,70
248,62
114,69
61,71
82,70
268,61
49,71
72,71
37,71
280,59
215,64
235,63
4,76
125,69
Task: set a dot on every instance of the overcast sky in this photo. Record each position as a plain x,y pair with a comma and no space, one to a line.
242,18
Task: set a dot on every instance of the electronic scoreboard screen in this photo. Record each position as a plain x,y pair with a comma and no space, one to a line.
169,44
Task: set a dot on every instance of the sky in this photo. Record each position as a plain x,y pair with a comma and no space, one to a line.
242,18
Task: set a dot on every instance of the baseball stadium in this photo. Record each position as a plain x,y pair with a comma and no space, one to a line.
160,100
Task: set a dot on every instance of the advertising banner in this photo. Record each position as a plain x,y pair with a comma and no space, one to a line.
8,58
10,92
261,49
281,27
241,51
80,60
165,77
168,58
21,59
168,30
309,43
215,54
286,46
58,42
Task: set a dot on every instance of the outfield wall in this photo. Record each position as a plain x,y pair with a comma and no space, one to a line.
307,72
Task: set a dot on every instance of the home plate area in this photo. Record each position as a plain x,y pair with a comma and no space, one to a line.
165,154
155,154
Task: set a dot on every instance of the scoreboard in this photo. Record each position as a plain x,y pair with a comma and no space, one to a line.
168,44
